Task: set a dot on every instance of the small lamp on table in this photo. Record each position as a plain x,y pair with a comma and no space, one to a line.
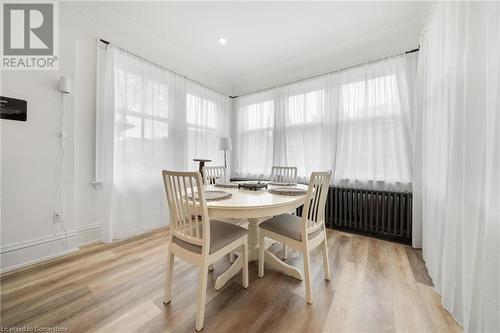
225,145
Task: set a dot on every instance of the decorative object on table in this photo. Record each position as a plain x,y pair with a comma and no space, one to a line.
283,174
287,191
214,195
225,145
281,184
217,195
227,185
201,164
252,185
13,109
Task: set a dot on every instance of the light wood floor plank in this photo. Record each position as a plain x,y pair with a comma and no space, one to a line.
376,286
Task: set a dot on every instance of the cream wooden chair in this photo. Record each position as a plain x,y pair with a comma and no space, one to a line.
287,175
302,233
194,237
215,174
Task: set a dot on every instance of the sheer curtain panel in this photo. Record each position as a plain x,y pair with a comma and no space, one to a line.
372,104
457,166
356,122
207,121
148,119
253,135
303,130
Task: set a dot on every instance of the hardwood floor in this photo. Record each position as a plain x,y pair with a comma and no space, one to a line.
376,286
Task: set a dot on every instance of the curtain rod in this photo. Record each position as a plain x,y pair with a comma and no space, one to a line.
160,66
318,75
249,93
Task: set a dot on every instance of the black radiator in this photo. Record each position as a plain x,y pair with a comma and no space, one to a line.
380,213
375,210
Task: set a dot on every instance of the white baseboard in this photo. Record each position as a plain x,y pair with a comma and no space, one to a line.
18,255
90,233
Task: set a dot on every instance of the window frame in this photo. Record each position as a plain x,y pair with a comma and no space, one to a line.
142,115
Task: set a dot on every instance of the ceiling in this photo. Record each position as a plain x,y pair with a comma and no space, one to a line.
270,43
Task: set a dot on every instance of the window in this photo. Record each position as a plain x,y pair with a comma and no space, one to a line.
255,128
203,130
141,123
354,122
371,119
370,98
146,119
141,107
306,108
306,128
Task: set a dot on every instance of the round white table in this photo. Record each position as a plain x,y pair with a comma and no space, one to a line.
256,207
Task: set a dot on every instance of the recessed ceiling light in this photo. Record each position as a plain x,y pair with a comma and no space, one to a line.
222,40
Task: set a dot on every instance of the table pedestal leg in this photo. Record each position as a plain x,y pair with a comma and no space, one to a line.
273,261
253,255
253,239
234,269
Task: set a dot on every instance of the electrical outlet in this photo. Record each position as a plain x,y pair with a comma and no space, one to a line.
57,217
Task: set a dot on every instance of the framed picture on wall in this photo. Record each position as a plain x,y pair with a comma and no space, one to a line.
13,109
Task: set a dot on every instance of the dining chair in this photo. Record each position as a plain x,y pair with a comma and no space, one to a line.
215,174
194,237
285,175
302,233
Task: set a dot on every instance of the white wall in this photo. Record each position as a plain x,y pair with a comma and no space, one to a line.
31,153
31,165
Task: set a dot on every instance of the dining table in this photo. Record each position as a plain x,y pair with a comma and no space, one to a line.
254,206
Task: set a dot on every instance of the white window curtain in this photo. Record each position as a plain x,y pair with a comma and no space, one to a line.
207,121
457,166
373,131
148,119
253,135
355,122
303,136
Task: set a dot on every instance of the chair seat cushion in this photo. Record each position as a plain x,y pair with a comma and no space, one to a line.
287,225
221,234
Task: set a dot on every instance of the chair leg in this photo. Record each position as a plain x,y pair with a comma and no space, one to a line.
307,276
245,262
202,295
326,263
285,252
261,253
167,294
231,257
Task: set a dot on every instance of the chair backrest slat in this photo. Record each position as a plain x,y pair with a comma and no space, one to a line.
313,216
215,174
280,174
189,220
